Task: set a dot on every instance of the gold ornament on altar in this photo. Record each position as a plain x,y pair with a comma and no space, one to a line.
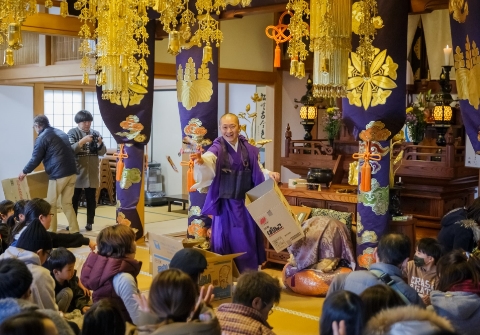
297,50
193,87
330,35
12,15
467,67
459,8
397,139
252,119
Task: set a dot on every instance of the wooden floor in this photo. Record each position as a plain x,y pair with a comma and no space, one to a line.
295,315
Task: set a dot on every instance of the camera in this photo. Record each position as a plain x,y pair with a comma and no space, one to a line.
94,144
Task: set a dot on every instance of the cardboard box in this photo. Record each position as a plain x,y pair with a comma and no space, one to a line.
302,212
297,183
220,269
34,185
273,215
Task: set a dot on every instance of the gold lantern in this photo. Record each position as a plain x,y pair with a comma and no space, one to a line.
330,34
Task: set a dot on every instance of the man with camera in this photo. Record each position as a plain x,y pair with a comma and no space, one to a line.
52,146
87,145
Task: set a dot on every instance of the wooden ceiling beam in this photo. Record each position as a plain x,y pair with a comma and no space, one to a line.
50,24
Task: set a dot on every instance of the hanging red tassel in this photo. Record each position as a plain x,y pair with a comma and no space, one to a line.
278,57
120,165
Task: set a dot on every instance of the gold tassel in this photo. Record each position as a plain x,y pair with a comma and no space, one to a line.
64,8
173,43
293,66
300,70
207,54
278,56
48,3
8,59
85,79
14,36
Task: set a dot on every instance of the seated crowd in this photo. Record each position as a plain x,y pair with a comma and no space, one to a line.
41,293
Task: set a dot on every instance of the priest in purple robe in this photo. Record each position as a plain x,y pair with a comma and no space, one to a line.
231,168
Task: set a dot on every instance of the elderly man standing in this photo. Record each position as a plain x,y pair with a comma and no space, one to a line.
231,168
87,145
53,148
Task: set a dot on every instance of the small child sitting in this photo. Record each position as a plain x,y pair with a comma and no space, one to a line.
421,272
69,294
6,210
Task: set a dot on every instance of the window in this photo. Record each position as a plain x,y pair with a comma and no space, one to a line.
62,105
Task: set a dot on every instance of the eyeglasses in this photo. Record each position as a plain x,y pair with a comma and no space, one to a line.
271,309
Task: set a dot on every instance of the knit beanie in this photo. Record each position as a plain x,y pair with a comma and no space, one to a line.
35,237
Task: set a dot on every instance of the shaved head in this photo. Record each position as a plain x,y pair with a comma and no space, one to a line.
229,118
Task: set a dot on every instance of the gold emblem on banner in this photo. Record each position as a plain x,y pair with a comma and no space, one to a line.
372,86
468,73
193,87
459,8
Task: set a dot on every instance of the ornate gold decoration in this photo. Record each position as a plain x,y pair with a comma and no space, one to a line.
121,48
297,50
12,15
365,24
468,73
397,139
459,8
134,127
372,87
377,198
193,88
252,119
330,34
130,177
353,173
369,236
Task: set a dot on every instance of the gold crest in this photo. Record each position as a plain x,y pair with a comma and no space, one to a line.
375,131
371,87
459,8
468,73
367,237
193,88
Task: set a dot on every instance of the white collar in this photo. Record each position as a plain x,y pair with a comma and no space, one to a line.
234,146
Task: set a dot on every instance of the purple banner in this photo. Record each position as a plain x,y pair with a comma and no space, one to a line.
464,23
378,96
198,99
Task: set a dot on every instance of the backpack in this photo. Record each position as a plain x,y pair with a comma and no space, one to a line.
387,280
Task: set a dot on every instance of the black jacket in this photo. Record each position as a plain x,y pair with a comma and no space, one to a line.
53,147
79,300
457,232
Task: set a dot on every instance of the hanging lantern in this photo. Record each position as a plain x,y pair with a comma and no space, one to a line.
330,34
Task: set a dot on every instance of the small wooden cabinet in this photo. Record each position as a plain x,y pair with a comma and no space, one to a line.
328,198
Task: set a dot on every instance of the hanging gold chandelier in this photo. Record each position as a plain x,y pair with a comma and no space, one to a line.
12,15
121,37
330,35
297,50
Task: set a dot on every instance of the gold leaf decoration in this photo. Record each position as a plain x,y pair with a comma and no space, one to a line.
372,87
190,89
459,8
468,73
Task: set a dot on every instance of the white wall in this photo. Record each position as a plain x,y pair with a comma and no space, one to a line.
16,137
167,139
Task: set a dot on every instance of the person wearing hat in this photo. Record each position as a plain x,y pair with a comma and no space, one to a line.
33,248
191,261
87,145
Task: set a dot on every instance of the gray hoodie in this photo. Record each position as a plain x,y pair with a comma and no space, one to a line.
10,307
461,308
43,285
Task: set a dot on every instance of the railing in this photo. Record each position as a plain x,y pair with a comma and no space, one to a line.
317,147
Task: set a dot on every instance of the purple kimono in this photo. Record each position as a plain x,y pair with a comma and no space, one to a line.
233,229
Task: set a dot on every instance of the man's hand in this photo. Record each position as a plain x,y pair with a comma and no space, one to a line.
92,245
274,175
21,176
100,140
197,158
86,139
